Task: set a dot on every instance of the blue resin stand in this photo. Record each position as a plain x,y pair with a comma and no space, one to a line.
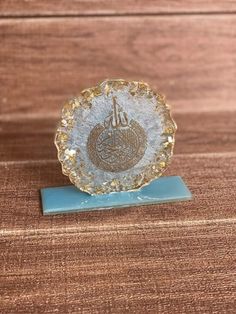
67,199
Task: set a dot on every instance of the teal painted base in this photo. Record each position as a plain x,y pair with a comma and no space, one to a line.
66,199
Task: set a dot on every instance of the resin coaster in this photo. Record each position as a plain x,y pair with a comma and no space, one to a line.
67,199
114,141
116,136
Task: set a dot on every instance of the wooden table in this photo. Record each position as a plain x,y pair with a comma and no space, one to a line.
170,258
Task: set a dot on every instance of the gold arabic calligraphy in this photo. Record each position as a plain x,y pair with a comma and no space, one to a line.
118,144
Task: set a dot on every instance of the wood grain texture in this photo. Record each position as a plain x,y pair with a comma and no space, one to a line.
170,258
210,177
32,139
139,269
191,59
83,7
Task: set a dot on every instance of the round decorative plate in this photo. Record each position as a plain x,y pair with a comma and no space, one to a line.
117,136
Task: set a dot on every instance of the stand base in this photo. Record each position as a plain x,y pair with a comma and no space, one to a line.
66,199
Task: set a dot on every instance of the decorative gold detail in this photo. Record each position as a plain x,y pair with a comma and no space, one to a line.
117,144
109,160
97,91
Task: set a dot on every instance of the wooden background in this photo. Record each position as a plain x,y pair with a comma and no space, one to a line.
171,258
